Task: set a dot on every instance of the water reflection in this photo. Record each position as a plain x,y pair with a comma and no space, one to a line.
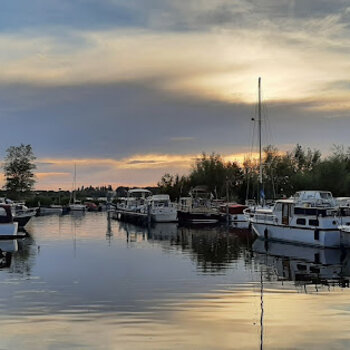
23,257
213,249
303,265
7,248
167,288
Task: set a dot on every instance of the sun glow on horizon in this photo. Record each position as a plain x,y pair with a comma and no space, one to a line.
137,170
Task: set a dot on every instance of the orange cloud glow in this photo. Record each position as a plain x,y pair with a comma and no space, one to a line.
141,169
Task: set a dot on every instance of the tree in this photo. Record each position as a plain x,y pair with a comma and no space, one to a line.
18,169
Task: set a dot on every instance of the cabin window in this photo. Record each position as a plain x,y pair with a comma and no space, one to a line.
317,258
314,269
301,267
301,221
291,210
278,207
317,235
325,195
313,222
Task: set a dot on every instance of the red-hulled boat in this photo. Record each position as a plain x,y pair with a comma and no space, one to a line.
235,212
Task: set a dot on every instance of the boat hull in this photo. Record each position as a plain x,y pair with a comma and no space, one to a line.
239,220
23,219
8,230
164,217
330,238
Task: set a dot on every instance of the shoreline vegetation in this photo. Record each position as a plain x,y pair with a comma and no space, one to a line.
284,173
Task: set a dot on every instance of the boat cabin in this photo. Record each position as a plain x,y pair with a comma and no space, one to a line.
5,214
139,193
314,199
135,199
306,208
159,201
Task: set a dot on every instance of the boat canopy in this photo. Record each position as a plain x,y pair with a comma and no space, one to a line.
314,199
160,197
139,193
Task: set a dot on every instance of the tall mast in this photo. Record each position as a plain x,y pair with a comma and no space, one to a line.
75,181
260,157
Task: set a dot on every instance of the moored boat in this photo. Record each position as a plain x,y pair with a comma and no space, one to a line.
161,208
8,227
22,214
310,217
198,208
135,200
235,214
74,204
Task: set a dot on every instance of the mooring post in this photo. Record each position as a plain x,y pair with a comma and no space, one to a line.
227,214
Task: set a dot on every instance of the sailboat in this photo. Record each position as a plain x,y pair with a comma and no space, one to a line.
76,205
309,217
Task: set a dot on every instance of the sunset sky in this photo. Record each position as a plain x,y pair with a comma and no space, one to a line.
130,89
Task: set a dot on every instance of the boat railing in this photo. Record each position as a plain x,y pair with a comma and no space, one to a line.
163,205
260,216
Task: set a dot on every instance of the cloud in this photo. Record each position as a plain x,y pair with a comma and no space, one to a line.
297,62
117,78
42,176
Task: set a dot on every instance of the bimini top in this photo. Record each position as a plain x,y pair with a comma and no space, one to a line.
314,199
139,193
139,190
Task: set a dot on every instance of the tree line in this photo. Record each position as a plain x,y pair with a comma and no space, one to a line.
284,173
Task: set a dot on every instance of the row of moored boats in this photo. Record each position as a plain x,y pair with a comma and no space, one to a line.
309,217
15,216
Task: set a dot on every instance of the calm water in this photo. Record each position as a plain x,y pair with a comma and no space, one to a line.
71,285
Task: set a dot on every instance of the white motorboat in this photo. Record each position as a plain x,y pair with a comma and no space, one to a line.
20,212
161,208
310,217
141,205
8,228
135,200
